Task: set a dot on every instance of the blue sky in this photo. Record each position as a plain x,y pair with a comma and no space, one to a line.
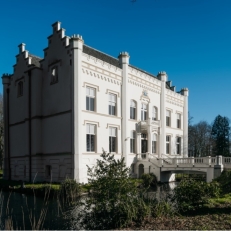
189,39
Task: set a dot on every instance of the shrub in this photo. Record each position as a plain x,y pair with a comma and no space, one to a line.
149,180
70,190
225,181
114,200
191,194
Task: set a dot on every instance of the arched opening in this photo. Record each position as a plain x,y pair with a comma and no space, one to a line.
141,170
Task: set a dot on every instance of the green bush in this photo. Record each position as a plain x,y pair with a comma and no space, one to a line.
225,181
70,190
149,180
191,194
114,200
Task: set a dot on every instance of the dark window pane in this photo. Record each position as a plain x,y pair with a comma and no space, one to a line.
87,103
92,143
92,101
88,143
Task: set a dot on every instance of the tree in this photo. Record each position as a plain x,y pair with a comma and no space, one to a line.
220,135
114,200
199,139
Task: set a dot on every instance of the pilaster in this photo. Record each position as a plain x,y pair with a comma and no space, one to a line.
163,77
149,136
124,61
185,92
77,47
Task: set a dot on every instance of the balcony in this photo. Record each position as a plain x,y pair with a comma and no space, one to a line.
143,125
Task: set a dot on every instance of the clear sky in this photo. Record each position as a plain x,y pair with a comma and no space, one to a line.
189,39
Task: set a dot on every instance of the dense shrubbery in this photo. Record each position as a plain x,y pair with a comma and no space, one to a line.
191,194
225,181
114,200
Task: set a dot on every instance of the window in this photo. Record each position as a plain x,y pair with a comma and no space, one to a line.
20,89
168,144
132,141
178,120
112,104
143,111
168,118
154,113
54,74
154,143
132,110
48,171
112,139
90,99
178,145
90,137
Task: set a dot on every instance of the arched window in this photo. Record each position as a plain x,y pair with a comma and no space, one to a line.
154,113
20,88
154,143
144,111
133,110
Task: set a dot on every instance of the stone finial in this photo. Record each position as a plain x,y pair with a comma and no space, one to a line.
123,57
22,47
5,79
162,75
56,26
185,91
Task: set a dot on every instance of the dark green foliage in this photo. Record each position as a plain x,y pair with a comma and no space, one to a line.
225,181
114,200
220,135
190,194
70,190
149,179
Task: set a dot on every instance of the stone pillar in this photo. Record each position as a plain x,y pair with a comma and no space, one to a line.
124,61
149,135
218,167
185,92
6,160
163,77
77,47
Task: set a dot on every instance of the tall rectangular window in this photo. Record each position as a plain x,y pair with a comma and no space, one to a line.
112,104
154,113
143,111
90,99
132,141
132,110
20,88
178,145
178,121
168,118
90,137
112,139
154,143
168,139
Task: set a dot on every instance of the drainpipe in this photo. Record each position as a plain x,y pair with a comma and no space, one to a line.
29,115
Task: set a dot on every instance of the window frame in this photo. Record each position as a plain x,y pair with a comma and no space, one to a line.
178,120
144,112
90,97
91,134
168,118
154,143
168,144
133,107
110,104
113,139
20,88
154,113
178,145
133,142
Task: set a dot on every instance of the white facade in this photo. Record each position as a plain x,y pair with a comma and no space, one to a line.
61,111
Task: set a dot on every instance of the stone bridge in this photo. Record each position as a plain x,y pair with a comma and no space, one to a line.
165,167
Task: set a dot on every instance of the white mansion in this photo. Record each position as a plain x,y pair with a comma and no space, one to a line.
62,110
